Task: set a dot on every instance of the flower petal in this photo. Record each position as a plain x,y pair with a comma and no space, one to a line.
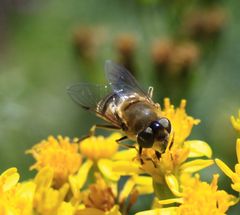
127,188
143,180
89,211
128,154
126,167
44,177
65,208
236,122
83,172
198,148
170,201
237,169
144,184
105,166
173,184
143,190
113,211
236,187
95,211
195,165
238,149
77,181
225,168
159,211
9,178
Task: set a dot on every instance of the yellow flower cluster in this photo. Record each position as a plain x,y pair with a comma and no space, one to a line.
83,177
61,155
198,198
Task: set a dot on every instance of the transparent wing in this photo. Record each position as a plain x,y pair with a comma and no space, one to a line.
121,80
87,95
91,97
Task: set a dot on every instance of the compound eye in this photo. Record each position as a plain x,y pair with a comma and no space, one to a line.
146,138
165,123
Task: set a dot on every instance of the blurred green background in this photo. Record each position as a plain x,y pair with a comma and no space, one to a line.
46,46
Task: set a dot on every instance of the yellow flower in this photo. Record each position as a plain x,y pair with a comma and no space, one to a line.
173,161
203,198
236,122
234,176
198,198
60,154
182,124
96,148
167,170
15,198
48,200
99,199
100,151
99,196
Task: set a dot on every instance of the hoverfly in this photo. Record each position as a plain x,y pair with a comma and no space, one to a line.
125,106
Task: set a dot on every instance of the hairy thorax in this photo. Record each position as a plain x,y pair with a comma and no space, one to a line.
137,115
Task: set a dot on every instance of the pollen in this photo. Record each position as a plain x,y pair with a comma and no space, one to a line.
60,154
99,147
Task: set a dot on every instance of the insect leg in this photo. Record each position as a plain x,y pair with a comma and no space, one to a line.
148,159
90,133
124,145
107,127
93,129
121,139
158,154
140,153
150,91
172,141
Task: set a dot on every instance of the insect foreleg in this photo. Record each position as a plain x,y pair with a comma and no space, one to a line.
122,139
158,154
140,154
123,144
172,141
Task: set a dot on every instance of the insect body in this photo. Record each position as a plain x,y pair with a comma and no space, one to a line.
124,105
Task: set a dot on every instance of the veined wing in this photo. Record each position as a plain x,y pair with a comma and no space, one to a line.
95,98
122,81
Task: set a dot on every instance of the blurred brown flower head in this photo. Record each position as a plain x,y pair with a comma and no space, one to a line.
84,42
173,58
126,46
204,23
